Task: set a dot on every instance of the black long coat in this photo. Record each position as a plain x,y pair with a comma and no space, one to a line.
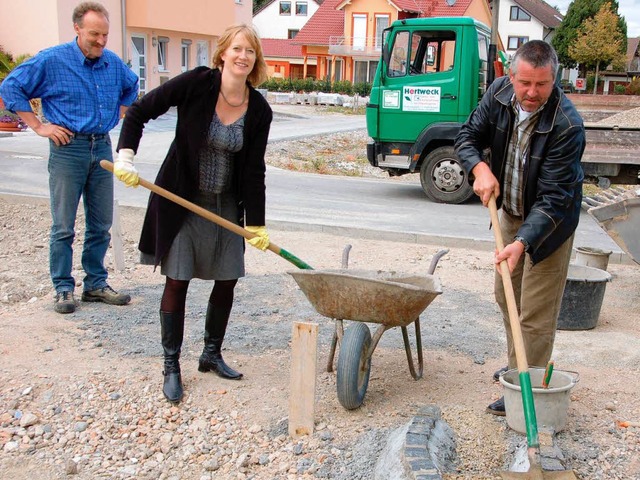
195,94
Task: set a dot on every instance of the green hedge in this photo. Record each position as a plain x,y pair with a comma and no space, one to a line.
344,87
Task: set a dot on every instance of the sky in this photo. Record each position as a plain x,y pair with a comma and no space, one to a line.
629,9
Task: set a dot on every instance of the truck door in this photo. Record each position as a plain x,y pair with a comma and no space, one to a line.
421,82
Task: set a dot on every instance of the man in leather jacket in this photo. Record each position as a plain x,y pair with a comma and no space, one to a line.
536,138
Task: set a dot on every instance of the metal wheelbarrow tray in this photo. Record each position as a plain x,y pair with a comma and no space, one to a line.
621,220
390,299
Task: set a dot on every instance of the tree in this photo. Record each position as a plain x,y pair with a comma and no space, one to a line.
578,12
599,41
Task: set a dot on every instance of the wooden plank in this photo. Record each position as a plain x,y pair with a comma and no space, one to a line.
304,356
116,239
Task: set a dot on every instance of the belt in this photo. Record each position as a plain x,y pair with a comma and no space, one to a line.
90,136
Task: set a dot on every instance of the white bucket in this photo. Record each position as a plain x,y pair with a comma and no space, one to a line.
551,403
592,257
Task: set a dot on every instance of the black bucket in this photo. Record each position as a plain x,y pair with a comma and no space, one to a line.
582,298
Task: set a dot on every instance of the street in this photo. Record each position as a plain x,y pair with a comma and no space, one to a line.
363,207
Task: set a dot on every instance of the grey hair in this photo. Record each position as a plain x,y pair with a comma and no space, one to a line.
536,53
85,7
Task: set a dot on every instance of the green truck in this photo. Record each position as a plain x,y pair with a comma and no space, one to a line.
432,73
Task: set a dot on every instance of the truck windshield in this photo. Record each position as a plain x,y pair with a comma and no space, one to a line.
422,52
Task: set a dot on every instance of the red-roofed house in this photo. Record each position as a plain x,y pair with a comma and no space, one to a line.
346,35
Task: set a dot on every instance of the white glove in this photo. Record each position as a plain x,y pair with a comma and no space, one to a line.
123,168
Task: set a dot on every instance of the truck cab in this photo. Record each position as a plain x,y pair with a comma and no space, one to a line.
431,76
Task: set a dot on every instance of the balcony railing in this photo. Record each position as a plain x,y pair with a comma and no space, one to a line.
355,46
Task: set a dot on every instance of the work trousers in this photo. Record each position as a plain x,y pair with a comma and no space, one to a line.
538,290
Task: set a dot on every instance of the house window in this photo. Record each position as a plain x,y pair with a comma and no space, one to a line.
359,31
519,15
186,52
163,48
285,8
301,8
515,42
382,22
292,34
337,76
364,71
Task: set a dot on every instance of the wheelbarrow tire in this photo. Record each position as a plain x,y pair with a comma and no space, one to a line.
354,366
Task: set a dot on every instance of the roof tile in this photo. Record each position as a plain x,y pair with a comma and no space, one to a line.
325,23
280,47
548,16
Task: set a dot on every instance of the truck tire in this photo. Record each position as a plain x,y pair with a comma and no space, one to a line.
442,177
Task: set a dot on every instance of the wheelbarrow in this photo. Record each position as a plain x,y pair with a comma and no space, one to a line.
390,299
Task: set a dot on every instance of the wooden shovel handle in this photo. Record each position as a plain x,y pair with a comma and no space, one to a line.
528,405
514,317
224,223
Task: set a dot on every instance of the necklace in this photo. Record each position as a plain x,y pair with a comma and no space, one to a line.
235,105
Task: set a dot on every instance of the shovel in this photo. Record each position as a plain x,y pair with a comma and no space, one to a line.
533,443
288,256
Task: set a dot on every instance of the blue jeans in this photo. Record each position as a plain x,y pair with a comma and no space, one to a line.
74,170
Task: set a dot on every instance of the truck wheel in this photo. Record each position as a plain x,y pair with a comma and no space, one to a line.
443,179
354,366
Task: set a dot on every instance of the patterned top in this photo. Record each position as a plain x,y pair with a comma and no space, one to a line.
217,154
77,93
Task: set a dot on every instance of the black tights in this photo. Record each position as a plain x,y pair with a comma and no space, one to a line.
174,295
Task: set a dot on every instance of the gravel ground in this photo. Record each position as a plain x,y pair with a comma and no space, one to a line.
80,394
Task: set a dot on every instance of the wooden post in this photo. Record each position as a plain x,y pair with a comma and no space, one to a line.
116,238
304,346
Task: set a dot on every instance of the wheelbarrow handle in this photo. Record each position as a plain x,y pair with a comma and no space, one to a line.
224,223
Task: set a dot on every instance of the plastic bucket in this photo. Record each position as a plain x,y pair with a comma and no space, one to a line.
551,404
592,257
582,298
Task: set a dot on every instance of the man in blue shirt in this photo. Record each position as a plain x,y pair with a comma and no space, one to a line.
84,89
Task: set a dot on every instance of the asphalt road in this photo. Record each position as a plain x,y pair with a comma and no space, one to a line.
363,207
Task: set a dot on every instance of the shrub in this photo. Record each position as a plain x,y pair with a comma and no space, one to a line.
307,85
619,89
343,87
362,88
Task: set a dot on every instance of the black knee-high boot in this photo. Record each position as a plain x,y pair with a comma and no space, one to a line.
214,330
172,331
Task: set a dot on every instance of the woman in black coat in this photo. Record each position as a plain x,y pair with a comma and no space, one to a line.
216,160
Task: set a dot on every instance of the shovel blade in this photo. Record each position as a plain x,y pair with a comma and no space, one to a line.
538,474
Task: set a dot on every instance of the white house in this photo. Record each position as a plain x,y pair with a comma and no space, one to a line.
282,19
522,20
277,23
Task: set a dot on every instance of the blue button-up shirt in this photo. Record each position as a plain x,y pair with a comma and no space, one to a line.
77,93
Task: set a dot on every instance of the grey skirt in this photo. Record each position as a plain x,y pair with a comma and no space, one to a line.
202,249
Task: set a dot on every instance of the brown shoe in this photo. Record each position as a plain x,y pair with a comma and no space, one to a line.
497,408
105,294
64,302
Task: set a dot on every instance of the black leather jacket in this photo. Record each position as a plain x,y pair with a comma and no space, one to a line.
552,174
